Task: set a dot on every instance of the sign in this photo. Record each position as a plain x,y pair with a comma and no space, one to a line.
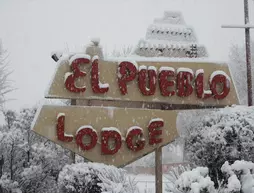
114,136
192,83
118,136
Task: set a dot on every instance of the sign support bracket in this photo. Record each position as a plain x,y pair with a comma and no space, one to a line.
73,103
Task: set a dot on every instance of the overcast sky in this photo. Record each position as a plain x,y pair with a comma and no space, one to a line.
31,29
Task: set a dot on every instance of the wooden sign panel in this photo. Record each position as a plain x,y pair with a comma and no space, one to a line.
83,77
114,136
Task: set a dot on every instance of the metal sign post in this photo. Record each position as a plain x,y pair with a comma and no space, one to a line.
158,170
247,28
73,102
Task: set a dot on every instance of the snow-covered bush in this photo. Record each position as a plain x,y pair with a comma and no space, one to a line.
173,175
224,135
96,178
195,181
239,177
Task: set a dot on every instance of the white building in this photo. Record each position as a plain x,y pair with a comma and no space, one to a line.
170,37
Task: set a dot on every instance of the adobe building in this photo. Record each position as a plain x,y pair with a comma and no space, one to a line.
169,36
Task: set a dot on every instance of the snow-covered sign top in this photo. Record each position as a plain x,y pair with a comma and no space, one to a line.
199,83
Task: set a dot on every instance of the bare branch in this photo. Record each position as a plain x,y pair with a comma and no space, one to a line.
5,83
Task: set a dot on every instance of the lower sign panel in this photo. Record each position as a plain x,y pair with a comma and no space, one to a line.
114,136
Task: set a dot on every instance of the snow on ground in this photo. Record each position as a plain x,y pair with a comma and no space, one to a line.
146,183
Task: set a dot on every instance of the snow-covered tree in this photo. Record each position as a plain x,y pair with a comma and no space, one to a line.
12,161
10,117
5,84
13,148
7,185
47,160
36,179
96,178
43,159
27,161
225,135
12,145
23,122
237,66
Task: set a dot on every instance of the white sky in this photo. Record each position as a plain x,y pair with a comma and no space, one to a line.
31,29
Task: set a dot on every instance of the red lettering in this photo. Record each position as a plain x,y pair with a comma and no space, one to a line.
114,135
184,79
164,83
222,81
89,131
60,129
142,76
126,73
97,87
201,93
154,131
139,143
76,73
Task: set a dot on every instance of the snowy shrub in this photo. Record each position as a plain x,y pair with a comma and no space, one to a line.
173,176
224,135
195,181
96,178
239,177
78,178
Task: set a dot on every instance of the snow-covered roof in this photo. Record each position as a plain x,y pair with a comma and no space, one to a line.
170,17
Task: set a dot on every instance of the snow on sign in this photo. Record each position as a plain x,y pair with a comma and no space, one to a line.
192,83
114,136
